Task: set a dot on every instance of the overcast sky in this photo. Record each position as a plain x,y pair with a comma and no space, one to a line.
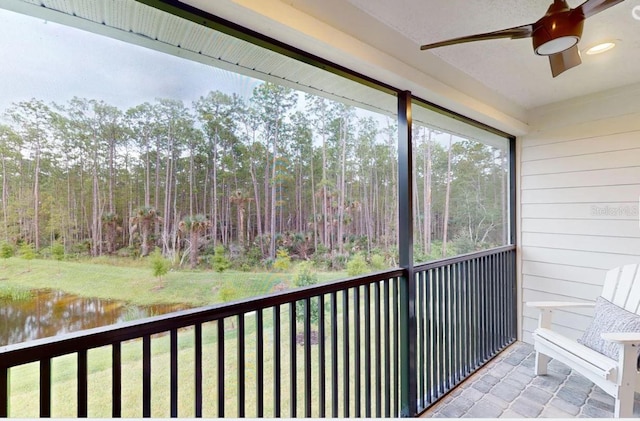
51,62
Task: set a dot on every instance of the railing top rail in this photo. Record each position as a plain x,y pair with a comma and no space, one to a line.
26,352
462,258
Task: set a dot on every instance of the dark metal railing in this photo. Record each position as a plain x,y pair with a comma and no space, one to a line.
302,352
466,314
327,350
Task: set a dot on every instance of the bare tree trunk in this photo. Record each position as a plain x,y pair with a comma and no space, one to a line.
214,190
272,244
314,225
167,197
36,199
427,195
446,201
256,195
341,202
5,193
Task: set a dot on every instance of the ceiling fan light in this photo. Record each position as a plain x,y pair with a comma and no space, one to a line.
557,45
600,48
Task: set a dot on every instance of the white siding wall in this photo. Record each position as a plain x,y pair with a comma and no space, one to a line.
579,177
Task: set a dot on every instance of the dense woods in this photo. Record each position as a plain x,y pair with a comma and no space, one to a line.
278,171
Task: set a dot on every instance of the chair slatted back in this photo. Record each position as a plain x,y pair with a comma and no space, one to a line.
622,287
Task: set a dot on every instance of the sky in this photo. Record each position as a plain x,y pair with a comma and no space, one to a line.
52,62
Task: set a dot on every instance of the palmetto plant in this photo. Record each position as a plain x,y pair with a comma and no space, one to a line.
143,219
194,225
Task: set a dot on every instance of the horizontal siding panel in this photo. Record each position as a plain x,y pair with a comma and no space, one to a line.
600,194
591,145
568,273
595,227
569,289
620,245
576,321
529,325
589,129
608,177
599,161
623,211
533,291
578,258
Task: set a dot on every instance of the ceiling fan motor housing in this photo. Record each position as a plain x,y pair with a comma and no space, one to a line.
557,31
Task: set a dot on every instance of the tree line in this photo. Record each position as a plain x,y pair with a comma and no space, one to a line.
276,171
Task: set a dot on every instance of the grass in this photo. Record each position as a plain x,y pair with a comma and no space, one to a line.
135,283
24,392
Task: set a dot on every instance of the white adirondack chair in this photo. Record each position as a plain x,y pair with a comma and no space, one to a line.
619,378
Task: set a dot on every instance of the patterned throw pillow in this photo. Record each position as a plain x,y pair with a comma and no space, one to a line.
609,318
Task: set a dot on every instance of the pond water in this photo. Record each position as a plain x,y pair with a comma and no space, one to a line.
51,313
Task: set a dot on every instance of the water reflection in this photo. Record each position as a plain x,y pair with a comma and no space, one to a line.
51,313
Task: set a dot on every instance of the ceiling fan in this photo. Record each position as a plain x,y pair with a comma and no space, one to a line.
556,34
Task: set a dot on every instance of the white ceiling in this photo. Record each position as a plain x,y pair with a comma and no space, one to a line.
505,68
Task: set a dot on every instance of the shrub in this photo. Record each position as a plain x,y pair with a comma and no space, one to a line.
306,277
220,261
6,251
27,253
229,292
283,260
57,251
377,262
357,265
159,265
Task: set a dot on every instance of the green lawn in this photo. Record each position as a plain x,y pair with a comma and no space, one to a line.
135,283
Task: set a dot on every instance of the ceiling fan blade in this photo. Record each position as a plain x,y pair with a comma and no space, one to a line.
564,60
592,7
523,31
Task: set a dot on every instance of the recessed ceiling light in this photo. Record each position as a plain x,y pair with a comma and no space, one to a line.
600,48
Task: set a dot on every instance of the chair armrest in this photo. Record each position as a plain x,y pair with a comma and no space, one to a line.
622,337
556,304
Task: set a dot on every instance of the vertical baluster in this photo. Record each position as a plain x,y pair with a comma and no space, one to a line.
277,409
307,358
259,364
493,278
427,371
441,333
241,365
321,358
345,351
356,350
146,376
173,357
475,294
367,351
460,339
45,388
221,367
387,351
448,325
454,322
466,319
482,294
293,365
396,345
198,369
82,383
116,380
334,355
378,355
500,304
420,288
485,299
4,392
